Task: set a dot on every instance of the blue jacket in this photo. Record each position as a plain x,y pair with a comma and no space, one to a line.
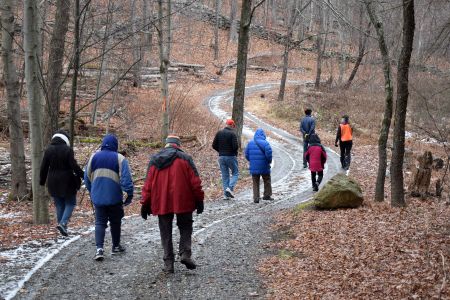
307,125
259,154
107,174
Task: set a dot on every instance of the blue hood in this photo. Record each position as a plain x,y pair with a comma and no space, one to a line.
110,143
259,134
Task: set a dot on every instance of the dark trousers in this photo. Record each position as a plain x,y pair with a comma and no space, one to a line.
184,223
346,148
267,186
305,148
316,182
114,215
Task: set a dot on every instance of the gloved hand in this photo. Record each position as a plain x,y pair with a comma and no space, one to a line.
306,136
128,200
145,211
336,144
200,206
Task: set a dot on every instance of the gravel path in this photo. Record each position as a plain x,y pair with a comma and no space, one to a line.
228,242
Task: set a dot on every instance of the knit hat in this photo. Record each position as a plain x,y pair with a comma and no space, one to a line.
173,139
230,122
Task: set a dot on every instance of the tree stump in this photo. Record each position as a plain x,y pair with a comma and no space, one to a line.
422,176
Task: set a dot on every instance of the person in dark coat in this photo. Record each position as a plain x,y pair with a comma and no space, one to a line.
344,136
307,127
259,153
173,187
63,176
107,177
316,157
226,144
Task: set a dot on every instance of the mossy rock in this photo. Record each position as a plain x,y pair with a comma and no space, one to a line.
307,205
339,192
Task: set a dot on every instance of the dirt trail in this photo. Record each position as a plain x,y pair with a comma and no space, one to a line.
228,240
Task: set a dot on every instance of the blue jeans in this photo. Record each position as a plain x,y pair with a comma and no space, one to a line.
226,164
103,214
64,208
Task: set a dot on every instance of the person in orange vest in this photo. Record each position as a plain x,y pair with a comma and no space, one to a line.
344,136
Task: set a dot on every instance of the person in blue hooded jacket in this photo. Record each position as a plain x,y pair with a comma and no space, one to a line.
107,175
259,153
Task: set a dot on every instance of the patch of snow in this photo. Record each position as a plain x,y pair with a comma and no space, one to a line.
10,215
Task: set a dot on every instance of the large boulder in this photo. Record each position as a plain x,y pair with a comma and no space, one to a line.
339,192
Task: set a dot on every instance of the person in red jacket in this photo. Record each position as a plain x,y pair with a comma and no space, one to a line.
316,158
173,186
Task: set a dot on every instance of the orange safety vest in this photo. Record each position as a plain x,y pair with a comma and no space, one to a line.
346,132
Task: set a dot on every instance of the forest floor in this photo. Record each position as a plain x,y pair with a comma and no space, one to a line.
270,250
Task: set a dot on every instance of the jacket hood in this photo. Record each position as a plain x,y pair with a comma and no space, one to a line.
110,143
314,139
164,158
259,134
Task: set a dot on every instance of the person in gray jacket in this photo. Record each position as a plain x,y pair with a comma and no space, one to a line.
307,127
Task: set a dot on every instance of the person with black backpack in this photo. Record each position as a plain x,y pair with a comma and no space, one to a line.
259,153
63,176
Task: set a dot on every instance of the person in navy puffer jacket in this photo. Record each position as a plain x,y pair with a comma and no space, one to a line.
259,153
107,176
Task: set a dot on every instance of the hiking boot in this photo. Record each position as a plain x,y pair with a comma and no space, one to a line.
168,267
62,229
99,255
268,198
229,193
117,250
188,262
315,188
256,200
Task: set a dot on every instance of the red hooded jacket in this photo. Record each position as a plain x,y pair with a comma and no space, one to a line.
316,157
172,184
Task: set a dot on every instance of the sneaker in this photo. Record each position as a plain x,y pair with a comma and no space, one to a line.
226,198
315,188
117,250
229,193
99,255
62,229
305,166
188,262
256,200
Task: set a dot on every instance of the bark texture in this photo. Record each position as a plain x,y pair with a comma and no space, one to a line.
401,104
17,152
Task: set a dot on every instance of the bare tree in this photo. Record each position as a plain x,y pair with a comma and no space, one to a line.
401,104
241,71
233,28
387,116
164,52
136,45
17,152
75,67
319,17
216,30
55,68
32,75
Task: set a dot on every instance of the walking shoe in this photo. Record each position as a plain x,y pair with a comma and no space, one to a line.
62,229
229,193
305,166
117,250
99,255
268,198
226,198
168,267
188,262
256,200
315,188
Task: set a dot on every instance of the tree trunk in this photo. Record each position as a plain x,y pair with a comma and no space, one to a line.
401,104
319,46
361,50
291,24
105,41
241,70
216,31
17,152
31,46
233,28
164,44
75,66
136,46
55,68
421,178
387,116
